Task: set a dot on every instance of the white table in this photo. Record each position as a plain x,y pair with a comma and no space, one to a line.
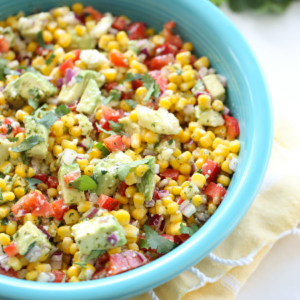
275,39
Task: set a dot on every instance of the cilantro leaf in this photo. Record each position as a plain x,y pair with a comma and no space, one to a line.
83,183
132,77
8,71
3,63
28,143
40,40
32,182
152,87
3,221
124,169
24,158
14,139
2,176
35,92
131,103
50,59
64,278
51,117
79,78
188,230
81,264
143,244
62,110
106,131
117,127
1,197
33,103
113,95
170,142
94,254
103,149
155,241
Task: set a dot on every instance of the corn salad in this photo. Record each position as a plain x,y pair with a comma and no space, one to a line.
115,144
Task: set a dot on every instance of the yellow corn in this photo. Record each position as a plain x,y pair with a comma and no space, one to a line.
71,217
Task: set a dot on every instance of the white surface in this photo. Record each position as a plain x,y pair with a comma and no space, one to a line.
275,39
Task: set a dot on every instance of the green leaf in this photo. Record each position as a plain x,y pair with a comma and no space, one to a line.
124,169
2,176
64,278
28,143
112,96
50,59
32,182
1,197
155,241
152,87
178,71
51,117
170,142
3,63
79,78
35,92
131,103
83,183
105,152
33,103
106,131
81,264
132,77
3,221
14,139
94,254
24,158
8,71
7,170
117,127
188,230
143,244
31,246
62,110
40,40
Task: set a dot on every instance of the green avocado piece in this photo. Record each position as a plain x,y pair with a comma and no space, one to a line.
21,89
81,42
32,127
93,234
90,98
70,195
5,144
214,86
209,117
69,94
105,173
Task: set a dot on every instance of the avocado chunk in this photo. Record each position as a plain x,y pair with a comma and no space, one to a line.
209,117
90,98
93,58
30,26
70,195
23,88
32,127
99,233
69,94
28,236
129,126
81,42
105,173
214,86
84,124
102,27
5,145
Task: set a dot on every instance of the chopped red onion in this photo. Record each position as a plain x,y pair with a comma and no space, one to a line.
141,57
53,101
211,71
112,239
194,168
90,213
226,110
141,257
35,165
233,164
202,72
52,251
189,109
150,203
187,208
120,88
34,253
21,213
202,216
148,152
92,118
68,156
157,221
59,83
163,183
145,51
113,31
56,260
104,219
4,262
2,136
93,197
41,228
12,218
223,80
46,277
69,75
156,169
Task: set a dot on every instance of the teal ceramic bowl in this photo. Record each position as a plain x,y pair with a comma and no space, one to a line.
213,35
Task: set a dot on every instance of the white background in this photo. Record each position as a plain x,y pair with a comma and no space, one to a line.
275,39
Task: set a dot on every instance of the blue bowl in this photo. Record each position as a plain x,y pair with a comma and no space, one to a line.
213,35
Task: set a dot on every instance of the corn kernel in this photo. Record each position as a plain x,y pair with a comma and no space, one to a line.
202,62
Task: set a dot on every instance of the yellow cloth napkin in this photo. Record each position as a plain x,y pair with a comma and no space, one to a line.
274,213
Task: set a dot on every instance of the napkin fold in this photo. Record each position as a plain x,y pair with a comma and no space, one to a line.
274,214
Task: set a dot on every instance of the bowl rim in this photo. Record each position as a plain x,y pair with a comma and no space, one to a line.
180,259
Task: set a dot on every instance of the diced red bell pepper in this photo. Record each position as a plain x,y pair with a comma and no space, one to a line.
68,64
160,61
117,59
4,45
232,126
137,83
107,202
41,177
179,200
110,86
77,54
52,182
101,273
59,275
122,188
68,178
211,169
11,250
59,208
215,191
170,173
96,15
119,23
127,95
170,37
165,49
137,30
108,114
9,273
114,143
45,210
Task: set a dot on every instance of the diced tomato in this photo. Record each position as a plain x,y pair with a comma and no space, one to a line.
211,169
136,84
117,59
110,86
152,105
232,126
77,54
179,200
119,23
114,143
215,191
18,130
11,250
59,276
127,95
108,114
96,15
68,178
159,79
73,106
133,259
193,59
52,182
147,62
171,238
6,121
4,45
122,188
126,141
68,64
160,61
170,173
165,49
41,51
102,258
137,30
45,210
9,273
59,208
183,237
41,177
107,202
170,37
101,273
